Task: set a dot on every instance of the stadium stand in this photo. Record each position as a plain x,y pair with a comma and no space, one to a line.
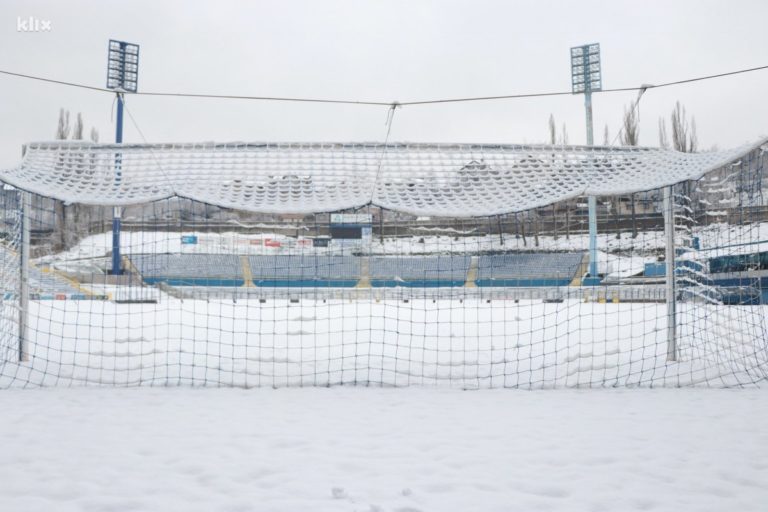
528,269
190,269
305,270
516,270
43,284
420,272
47,284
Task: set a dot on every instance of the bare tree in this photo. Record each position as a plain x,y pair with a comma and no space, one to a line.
630,127
553,141
59,209
630,136
564,136
555,233
606,138
71,220
77,131
63,128
693,137
663,139
679,128
684,137
522,230
552,130
94,135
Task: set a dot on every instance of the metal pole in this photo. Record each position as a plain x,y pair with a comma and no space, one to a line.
591,200
117,211
588,107
669,236
26,202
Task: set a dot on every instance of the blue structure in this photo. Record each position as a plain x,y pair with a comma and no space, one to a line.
333,271
415,272
305,271
743,277
586,76
190,269
527,270
659,268
739,279
122,76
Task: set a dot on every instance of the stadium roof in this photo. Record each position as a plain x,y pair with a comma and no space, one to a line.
301,178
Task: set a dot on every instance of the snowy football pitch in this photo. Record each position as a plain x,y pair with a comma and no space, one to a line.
467,344
367,449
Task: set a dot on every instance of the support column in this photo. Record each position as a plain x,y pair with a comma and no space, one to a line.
117,264
117,268
26,203
671,299
591,203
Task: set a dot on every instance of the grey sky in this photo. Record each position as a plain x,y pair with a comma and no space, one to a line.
384,50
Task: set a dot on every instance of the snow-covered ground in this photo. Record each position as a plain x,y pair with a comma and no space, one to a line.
469,344
383,450
139,242
617,258
710,237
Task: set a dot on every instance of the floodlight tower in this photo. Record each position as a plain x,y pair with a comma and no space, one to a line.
585,78
122,77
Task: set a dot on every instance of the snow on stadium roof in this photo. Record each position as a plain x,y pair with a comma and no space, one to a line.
421,179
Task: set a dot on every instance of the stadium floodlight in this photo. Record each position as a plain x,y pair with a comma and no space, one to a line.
122,77
122,66
586,77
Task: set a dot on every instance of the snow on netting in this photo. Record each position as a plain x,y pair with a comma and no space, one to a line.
419,179
407,264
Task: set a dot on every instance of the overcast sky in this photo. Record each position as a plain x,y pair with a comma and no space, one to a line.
383,50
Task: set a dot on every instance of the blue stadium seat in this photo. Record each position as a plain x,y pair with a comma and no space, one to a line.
449,270
528,269
190,269
305,270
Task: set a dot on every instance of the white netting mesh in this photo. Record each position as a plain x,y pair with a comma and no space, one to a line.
420,179
10,272
323,264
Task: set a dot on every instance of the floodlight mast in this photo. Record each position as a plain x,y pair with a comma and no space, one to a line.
586,76
122,77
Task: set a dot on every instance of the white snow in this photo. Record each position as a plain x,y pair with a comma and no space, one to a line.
715,239
470,344
393,450
134,242
619,267
302,178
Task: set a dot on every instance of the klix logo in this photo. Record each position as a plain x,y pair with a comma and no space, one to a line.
32,24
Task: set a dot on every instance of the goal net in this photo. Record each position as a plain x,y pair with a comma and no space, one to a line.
465,265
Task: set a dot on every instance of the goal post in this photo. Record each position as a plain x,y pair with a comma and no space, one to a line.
24,254
321,264
669,255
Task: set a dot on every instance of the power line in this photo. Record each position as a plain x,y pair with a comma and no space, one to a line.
151,151
60,82
266,98
564,93
642,89
192,95
708,77
388,124
378,103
